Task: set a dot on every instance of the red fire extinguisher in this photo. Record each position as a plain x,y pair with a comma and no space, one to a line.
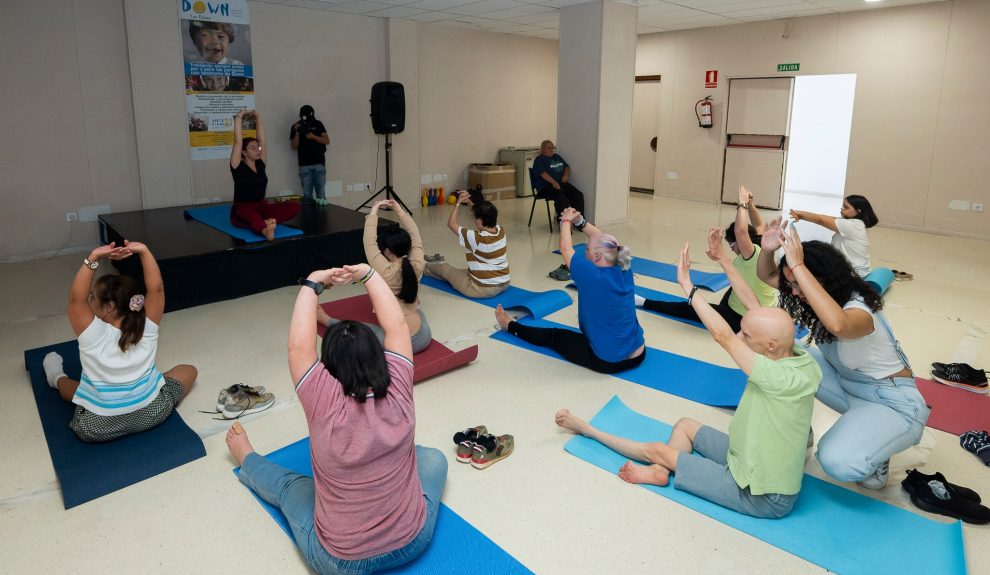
703,110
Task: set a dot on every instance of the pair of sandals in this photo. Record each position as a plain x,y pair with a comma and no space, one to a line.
902,276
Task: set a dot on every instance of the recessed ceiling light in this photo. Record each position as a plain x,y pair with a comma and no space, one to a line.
872,1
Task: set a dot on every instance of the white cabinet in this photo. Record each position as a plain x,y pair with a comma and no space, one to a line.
522,159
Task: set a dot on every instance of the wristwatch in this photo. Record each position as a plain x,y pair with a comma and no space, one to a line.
317,286
91,264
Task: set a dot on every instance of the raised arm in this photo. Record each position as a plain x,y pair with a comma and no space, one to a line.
407,223
766,267
842,323
371,252
739,285
387,310
260,136
462,197
154,298
716,325
80,314
567,219
743,241
302,326
820,219
235,150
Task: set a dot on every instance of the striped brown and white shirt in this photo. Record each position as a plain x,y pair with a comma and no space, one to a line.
486,255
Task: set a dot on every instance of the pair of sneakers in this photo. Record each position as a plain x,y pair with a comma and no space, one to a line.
960,375
935,494
240,399
481,449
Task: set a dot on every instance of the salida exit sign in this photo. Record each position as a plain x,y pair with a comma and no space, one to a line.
788,67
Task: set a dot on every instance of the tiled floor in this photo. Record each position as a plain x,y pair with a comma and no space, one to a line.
553,512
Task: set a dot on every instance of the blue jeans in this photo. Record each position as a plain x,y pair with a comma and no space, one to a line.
295,495
313,179
880,417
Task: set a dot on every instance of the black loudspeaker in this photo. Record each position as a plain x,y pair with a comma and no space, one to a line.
388,108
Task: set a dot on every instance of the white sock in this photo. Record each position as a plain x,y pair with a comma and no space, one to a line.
640,300
53,368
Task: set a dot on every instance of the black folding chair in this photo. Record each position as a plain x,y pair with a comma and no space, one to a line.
537,195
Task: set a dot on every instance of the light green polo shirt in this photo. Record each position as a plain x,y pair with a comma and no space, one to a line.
769,432
767,294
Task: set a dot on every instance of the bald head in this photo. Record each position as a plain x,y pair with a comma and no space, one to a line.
768,331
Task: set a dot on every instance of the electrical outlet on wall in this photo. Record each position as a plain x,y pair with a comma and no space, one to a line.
976,207
71,216
671,175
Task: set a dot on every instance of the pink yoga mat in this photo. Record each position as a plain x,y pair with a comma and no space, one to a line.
954,410
434,360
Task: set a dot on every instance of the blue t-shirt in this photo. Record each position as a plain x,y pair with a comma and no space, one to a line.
552,165
607,309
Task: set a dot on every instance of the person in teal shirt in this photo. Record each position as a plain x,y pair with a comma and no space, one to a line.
756,468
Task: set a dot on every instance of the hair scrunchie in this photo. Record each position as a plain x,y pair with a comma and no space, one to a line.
136,303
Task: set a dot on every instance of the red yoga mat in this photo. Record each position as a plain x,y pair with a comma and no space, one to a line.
434,360
954,410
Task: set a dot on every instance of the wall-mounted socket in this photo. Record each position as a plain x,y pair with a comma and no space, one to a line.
671,175
71,216
350,187
976,207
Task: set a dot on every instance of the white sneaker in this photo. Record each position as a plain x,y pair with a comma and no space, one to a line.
640,300
877,479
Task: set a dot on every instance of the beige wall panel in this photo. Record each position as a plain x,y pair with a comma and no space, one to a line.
403,67
478,92
759,106
898,55
44,153
811,43
960,167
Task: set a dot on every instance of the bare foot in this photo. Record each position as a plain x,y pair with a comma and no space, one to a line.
571,422
651,474
502,318
271,222
269,231
238,444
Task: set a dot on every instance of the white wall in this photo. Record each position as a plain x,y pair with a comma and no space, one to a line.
918,138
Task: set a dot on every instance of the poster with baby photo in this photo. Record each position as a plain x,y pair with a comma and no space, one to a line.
219,76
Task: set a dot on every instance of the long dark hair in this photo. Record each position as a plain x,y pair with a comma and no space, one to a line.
118,290
836,277
397,241
357,361
864,211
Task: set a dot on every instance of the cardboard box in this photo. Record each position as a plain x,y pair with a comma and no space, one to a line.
495,179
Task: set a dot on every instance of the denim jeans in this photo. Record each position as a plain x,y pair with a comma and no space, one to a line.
880,417
294,494
313,179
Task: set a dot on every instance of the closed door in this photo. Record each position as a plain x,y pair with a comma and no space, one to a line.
645,130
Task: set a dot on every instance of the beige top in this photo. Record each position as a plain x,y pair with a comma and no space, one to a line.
392,271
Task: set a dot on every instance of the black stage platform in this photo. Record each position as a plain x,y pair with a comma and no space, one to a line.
202,265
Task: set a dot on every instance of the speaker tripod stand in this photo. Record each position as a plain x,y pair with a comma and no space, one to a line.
387,188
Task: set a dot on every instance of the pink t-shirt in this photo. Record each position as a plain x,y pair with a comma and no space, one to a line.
369,499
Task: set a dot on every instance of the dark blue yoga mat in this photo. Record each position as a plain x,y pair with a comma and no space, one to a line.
832,527
457,547
668,272
86,471
537,303
218,217
664,371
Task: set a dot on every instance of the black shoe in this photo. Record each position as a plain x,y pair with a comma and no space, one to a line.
963,369
935,497
916,480
960,380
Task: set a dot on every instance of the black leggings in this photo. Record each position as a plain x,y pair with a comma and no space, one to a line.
574,346
683,310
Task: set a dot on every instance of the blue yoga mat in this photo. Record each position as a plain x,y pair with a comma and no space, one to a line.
664,371
832,527
668,272
880,279
799,330
218,217
538,304
86,471
457,547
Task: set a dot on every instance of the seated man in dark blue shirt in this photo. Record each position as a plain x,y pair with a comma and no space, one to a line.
556,173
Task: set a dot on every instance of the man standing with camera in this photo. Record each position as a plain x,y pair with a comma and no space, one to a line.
309,139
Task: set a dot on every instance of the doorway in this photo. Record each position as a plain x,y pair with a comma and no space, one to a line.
818,151
645,134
